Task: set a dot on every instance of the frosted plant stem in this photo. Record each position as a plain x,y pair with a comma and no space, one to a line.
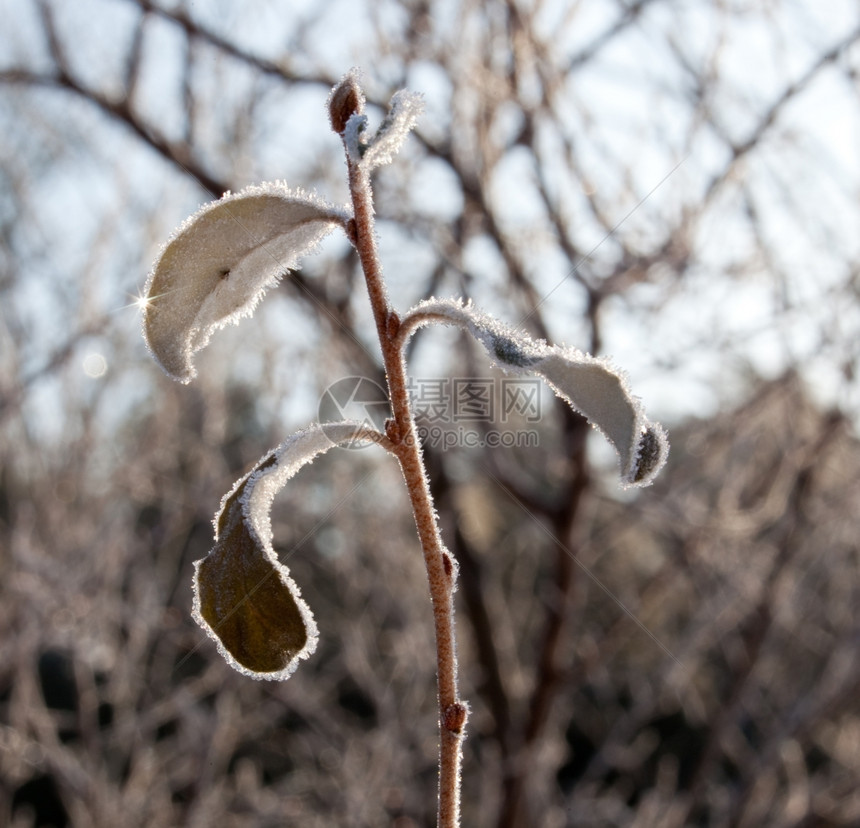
441,570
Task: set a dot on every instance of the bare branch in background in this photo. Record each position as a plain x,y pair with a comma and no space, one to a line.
672,184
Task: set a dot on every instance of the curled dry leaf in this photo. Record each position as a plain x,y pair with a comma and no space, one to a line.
220,262
592,386
244,598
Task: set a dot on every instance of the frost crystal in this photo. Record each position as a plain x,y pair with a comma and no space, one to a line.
219,263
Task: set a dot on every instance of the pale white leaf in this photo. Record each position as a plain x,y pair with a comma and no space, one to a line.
218,264
244,598
403,112
591,385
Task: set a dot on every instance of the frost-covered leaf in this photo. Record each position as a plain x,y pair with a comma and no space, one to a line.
372,152
244,598
403,112
589,384
220,262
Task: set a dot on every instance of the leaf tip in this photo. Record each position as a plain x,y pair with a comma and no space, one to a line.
650,456
247,603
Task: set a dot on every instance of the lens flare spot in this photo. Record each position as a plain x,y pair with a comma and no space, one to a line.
95,365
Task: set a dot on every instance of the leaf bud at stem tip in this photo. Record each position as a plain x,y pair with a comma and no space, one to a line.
346,100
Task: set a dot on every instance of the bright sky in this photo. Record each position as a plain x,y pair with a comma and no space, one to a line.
88,184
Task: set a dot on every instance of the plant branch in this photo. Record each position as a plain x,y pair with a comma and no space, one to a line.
441,568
